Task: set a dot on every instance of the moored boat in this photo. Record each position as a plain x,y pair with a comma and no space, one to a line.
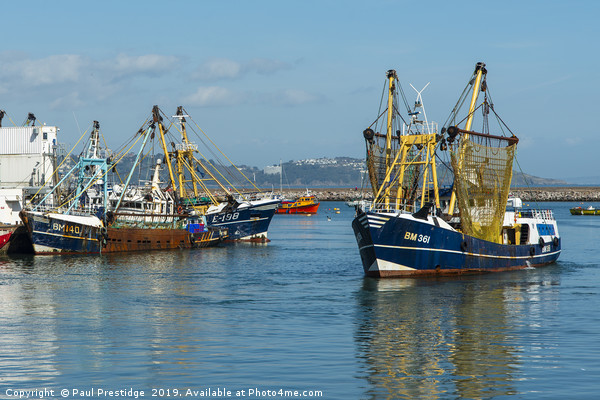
83,220
584,211
5,235
308,204
409,231
246,215
246,220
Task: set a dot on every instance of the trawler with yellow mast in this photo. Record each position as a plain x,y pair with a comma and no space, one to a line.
246,215
410,229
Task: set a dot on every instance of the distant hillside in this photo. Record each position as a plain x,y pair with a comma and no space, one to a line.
339,172
346,172
524,180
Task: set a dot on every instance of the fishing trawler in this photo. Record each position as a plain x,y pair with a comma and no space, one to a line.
409,229
246,215
75,216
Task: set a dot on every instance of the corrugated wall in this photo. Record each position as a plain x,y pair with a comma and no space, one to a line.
26,139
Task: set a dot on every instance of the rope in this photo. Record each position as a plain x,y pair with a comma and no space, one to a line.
57,168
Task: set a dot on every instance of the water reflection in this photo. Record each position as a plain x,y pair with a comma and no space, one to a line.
73,317
441,338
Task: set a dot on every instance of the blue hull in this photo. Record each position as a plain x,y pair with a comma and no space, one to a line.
245,223
393,246
54,235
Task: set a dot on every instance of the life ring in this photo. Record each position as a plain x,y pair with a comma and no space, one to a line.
179,210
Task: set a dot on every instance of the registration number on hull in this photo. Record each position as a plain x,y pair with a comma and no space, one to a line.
225,218
417,237
66,229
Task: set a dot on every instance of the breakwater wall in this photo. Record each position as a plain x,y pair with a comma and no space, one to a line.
570,193
574,193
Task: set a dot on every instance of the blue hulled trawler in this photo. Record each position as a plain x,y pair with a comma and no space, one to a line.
413,228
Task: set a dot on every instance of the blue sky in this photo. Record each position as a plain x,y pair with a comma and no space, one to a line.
271,80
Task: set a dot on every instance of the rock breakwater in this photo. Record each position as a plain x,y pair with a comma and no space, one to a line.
567,193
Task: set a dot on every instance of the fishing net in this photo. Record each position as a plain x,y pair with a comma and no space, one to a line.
376,165
483,172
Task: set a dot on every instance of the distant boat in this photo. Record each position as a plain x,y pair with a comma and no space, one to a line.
308,204
408,231
584,211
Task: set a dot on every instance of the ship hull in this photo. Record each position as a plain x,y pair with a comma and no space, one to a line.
247,222
56,233
400,247
309,209
5,235
584,211
144,239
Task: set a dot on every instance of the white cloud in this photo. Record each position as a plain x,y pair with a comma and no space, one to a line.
72,68
213,96
56,69
222,68
293,97
151,64
69,100
216,69
574,141
71,80
265,66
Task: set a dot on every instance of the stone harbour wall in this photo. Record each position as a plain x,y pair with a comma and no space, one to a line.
573,193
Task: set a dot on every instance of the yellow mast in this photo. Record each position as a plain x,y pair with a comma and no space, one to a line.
479,72
184,156
391,75
425,157
158,119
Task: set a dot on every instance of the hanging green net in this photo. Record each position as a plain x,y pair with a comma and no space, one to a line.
376,166
483,172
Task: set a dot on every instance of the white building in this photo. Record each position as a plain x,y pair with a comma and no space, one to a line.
272,170
27,162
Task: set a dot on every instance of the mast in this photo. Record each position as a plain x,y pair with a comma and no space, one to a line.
149,132
413,153
158,119
480,71
392,77
184,155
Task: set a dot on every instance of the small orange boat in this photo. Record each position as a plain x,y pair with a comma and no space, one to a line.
308,204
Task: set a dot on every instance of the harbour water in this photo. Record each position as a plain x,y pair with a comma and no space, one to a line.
295,318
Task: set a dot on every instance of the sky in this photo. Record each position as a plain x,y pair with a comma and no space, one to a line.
291,80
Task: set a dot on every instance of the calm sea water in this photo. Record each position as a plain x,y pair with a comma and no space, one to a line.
297,314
